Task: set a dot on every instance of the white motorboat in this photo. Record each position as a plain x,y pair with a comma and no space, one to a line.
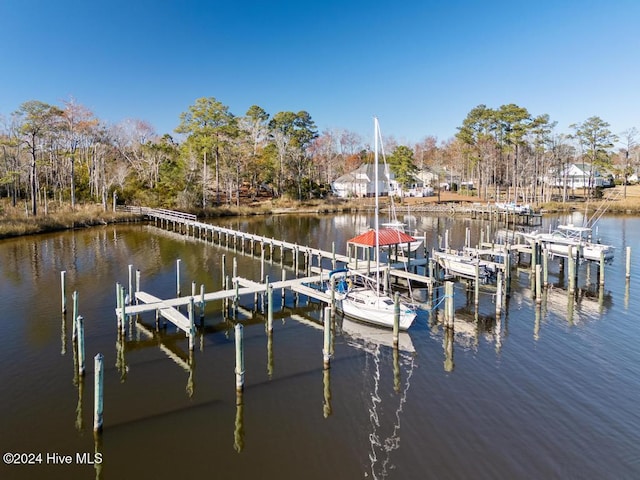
559,240
463,265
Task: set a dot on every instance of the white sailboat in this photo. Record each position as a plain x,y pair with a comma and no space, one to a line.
361,297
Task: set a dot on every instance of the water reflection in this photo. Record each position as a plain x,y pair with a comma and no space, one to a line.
559,382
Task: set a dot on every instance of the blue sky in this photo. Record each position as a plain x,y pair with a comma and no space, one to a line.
420,66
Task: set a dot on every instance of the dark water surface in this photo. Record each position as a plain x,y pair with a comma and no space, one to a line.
549,392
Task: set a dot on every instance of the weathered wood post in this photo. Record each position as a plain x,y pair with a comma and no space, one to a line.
326,349
224,269
572,269
131,282
80,328
283,292
192,324
269,308
499,286
239,358
178,277
98,404
507,270
74,330
476,285
332,290
396,319
63,290
202,304
628,265
123,312
448,303
545,267
137,285
538,284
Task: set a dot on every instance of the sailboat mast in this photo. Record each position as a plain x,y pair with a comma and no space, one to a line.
377,208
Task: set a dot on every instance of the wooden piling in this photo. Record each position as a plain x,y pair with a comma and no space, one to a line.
572,269
202,304
269,308
499,286
178,277
326,349
602,269
80,329
130,268
98,403
192,324
239,358
538,284
224,269
448,303
74,330
476,285
396,319
137,284
63,290
628,264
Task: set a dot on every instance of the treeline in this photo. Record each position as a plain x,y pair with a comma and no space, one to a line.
66,154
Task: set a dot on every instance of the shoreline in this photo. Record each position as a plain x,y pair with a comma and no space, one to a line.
16,224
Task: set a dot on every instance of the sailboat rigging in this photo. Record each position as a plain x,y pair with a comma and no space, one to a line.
358,295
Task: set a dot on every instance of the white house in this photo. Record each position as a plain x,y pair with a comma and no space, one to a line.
578,175
361,182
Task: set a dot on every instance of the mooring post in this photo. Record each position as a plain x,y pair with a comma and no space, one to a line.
507,270
178,277
538,284
448,304
98,362
499,294
601,268
63,290
224,269
80,328
74,330
130,282
123,313
192,324
137,285
284,277
572,268
628,274
476,286
118,305
545,267
326,348
236,296
202,304
333,255
239,358
396,319
269,308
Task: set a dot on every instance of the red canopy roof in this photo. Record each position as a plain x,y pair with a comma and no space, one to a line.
387,236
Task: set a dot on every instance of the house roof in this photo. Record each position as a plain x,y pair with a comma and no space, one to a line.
387,236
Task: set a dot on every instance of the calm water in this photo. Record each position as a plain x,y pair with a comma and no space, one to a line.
549,392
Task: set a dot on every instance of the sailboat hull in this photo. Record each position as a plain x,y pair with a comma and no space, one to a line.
365,306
